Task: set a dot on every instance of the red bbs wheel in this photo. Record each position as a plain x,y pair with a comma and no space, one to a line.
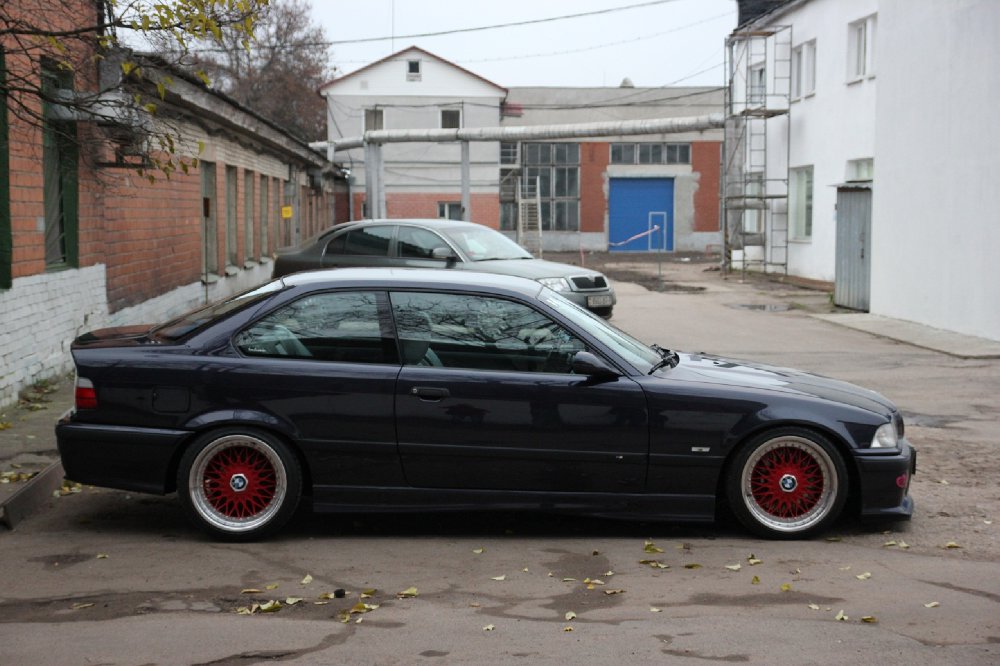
787,483
239,484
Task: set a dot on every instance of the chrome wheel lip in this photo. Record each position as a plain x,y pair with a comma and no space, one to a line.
204,508
824,504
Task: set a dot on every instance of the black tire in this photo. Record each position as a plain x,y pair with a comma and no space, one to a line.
239,484
789,483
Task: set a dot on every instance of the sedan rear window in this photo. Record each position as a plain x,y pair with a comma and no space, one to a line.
196,319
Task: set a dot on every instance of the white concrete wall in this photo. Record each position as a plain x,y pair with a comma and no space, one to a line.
829,128
43,314
936,217
417,104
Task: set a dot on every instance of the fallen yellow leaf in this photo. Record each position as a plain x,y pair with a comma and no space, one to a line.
305,581
654,609
250,590
785,587
489,627
693,565
614,591
755,580
271,586
81,606
933,604
102,556
407,593
841,617
272,606
570,615
813,606
567,628
734,567
951,545
865,576
478,551
650,547
291,601
504,577
869,619
370,592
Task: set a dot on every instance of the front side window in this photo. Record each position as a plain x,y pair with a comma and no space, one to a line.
758,84
480,333
418,243
338,326
484,244
801,202
861,48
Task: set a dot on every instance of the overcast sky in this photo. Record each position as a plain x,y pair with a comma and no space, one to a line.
671,42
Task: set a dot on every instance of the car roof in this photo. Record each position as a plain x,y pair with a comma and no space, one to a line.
433,278
428,222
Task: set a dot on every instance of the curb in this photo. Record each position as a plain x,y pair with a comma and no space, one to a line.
29,498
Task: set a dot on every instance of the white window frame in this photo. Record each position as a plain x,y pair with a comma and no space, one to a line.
861,48
441,118
804,70
410,74
757,84
445,209
800,204
861,169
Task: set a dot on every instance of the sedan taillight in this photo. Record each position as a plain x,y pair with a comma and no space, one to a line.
86,394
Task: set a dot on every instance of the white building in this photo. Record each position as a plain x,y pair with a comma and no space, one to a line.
415,89
862,151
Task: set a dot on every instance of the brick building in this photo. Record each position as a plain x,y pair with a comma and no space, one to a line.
86,241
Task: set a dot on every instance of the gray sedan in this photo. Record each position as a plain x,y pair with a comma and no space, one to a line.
444,244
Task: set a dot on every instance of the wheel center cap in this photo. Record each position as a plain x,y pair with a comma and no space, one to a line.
788,483
238,482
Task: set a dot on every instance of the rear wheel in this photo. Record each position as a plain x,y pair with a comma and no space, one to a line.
787,484
239,484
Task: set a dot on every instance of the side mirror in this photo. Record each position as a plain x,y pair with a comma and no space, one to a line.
589,365
445,254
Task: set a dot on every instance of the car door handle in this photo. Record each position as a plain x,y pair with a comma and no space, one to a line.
429,393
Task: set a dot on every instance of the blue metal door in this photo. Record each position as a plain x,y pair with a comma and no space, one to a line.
641,215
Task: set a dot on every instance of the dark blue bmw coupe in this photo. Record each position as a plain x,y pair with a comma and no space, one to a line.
411,389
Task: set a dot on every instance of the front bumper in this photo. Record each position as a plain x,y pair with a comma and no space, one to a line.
884,480
598,301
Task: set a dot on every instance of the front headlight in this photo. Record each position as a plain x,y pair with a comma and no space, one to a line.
556,283
885,437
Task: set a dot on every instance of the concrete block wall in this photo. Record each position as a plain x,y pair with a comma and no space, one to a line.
41,315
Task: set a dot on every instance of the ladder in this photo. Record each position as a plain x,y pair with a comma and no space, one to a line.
529,223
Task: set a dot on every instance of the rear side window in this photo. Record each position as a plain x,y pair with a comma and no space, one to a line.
337,326
369,242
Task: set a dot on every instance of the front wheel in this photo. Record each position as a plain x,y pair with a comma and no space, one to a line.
239,484
787,484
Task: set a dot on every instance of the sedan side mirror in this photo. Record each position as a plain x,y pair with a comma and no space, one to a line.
445,254
589,365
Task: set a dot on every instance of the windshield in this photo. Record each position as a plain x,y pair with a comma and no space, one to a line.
192,321
484,244
639,355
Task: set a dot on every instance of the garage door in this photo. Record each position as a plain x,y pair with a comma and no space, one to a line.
641,215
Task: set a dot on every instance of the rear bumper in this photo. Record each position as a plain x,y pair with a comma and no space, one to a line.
885,483
138,459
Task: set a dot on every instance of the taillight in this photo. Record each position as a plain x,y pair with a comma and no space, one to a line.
86,394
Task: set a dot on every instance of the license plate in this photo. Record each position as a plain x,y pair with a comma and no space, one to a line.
598,301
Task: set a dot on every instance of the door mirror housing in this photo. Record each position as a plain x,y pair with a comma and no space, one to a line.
589,365
445,254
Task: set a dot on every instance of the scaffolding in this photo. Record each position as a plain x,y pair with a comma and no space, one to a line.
755,165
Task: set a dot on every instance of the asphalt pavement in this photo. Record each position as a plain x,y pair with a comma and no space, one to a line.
101,576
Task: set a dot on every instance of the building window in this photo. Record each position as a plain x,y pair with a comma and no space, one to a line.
804,70
450,210
60,156
248,199
861,49
801,202
265,221
552,172
210,238
651,153
412,70
6,239
758,84
451,118
863,169
232,247
508,152
374,120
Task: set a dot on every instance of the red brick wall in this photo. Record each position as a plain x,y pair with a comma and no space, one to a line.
594,158
485,207
705,156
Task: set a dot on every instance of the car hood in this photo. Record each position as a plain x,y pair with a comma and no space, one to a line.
745,374
532,269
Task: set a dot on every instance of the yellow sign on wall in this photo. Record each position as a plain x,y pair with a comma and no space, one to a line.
286,212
